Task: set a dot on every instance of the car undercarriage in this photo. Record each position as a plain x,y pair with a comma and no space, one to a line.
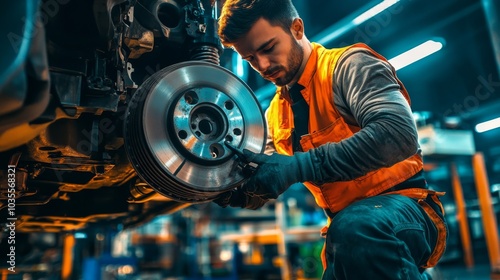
116,111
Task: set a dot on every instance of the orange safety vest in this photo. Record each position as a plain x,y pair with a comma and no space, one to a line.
327,125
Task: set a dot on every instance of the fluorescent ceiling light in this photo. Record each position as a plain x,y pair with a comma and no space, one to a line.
415,54
373,11
351,21
489,125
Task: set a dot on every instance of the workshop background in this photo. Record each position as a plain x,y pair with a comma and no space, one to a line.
454,85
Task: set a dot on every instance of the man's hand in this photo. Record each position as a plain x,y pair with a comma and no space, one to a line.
239,198
275,173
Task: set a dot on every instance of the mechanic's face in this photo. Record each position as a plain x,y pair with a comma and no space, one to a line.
272,52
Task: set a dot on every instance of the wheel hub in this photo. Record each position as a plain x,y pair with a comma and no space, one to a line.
176,125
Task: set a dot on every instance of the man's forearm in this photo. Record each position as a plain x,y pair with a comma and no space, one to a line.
376,146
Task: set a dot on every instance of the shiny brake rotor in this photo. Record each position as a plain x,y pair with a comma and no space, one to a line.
176,125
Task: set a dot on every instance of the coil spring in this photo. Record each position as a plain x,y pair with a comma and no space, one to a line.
206,53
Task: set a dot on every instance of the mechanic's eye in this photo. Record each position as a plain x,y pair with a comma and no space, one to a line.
268,50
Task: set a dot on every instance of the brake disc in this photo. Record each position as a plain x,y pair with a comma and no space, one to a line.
176,125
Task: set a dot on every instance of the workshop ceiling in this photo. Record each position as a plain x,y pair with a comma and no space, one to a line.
444,83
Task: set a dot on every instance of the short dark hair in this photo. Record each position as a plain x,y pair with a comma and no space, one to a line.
238,17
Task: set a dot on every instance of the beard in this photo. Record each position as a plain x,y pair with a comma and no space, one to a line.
294,62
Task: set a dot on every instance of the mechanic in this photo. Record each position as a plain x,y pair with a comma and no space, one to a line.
341,124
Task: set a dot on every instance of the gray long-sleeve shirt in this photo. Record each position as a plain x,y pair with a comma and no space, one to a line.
367,95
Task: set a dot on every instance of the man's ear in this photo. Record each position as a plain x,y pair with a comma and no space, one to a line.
297,28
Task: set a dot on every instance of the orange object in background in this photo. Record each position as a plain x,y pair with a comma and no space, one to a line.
67,261
462,217
487,213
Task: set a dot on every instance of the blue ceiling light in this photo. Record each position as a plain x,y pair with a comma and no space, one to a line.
377,9
417,53
352,21
488,125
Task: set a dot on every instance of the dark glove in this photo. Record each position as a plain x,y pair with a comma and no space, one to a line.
239,198
276,173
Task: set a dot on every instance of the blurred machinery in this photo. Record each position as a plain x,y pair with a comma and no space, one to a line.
117,111
113,112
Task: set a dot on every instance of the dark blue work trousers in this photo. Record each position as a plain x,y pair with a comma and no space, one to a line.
382,237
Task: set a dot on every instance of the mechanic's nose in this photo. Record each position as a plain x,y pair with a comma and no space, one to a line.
261,63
